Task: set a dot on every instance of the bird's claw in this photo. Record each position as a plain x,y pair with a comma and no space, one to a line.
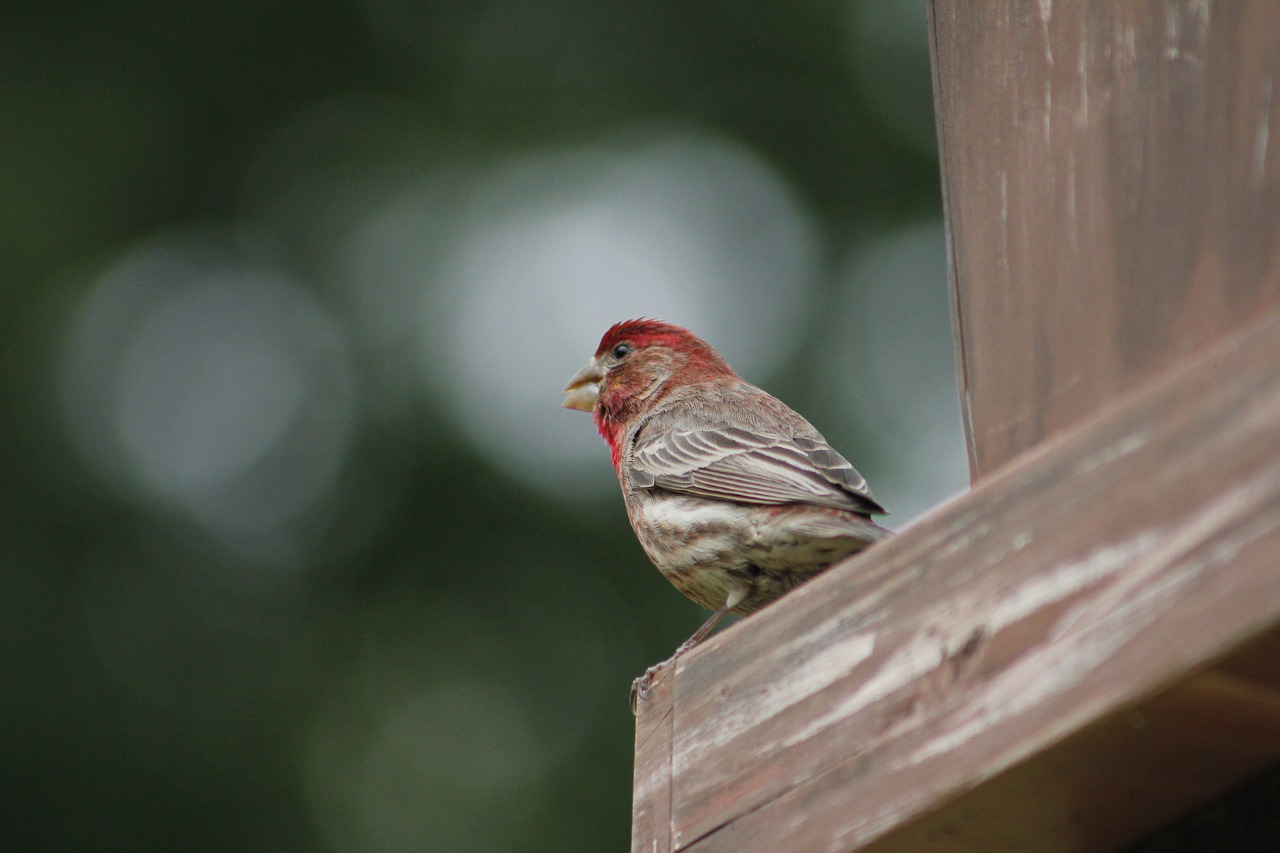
642,687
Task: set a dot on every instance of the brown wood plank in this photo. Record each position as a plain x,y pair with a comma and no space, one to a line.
651,785
1112,177
1090,575
1161,758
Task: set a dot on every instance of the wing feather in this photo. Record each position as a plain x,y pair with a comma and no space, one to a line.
749,466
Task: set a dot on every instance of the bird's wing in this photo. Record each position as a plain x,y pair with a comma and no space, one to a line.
748,466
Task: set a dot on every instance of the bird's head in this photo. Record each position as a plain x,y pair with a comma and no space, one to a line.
634,366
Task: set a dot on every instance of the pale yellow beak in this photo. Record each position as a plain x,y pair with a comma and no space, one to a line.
583,389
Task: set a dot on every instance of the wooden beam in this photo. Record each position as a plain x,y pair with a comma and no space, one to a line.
1112,177
1031,663
651,786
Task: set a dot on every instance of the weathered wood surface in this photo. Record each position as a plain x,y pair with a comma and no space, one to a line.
1112,176
978,658
651,785
1117,778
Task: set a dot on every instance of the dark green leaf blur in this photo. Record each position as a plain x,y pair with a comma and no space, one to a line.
299,550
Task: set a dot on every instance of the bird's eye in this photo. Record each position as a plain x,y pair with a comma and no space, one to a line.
621,351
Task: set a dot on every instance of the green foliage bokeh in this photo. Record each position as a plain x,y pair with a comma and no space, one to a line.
444,664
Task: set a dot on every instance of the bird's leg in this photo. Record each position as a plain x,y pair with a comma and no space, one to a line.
642,686
701,634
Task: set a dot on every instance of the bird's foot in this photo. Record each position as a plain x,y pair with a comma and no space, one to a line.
683,647
642,687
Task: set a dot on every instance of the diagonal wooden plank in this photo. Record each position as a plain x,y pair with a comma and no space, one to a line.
1094,573
1115,779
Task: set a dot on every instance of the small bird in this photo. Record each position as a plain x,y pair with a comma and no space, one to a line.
734,496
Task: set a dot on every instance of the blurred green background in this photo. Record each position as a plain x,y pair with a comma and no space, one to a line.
300,552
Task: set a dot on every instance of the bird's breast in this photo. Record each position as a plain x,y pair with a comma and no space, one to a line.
679,532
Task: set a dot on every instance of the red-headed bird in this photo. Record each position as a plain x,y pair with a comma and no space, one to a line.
734,496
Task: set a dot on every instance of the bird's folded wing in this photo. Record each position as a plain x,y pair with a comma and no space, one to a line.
735,464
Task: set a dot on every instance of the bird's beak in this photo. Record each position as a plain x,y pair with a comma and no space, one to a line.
583,389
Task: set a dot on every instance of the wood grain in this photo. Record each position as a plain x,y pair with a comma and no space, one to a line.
651,786
980,658
1112,181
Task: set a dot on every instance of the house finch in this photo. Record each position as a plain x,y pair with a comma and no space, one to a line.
735,497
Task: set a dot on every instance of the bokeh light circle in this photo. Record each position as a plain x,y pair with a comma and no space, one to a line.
209,383
551,250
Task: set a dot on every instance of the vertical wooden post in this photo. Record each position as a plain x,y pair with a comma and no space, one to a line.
1112,180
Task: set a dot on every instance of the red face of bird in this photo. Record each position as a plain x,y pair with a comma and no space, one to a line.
634,360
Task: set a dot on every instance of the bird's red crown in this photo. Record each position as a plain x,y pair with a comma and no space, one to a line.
644,331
